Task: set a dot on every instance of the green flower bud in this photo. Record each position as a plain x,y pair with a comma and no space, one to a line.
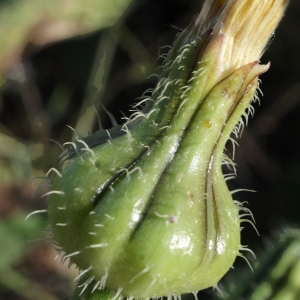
143,209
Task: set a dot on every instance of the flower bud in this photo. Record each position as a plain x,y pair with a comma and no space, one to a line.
143,209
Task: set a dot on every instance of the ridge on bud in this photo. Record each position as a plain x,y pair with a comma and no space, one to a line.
143,209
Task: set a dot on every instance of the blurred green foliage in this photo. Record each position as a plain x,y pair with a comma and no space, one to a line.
17,237
276,272
15,234
22,19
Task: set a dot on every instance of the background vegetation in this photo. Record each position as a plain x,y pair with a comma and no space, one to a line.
59,57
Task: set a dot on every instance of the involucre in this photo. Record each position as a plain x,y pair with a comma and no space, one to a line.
143,209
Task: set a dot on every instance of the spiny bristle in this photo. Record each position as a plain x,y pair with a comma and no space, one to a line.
77,134
118,293
250,222
55,171
56,143
53,192
244,248
242,256
73,144
140,274
86,284
83,272
35,212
